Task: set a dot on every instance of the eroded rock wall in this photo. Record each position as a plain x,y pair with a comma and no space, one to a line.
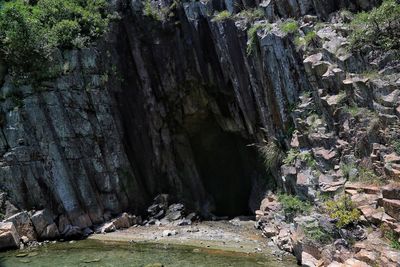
122,121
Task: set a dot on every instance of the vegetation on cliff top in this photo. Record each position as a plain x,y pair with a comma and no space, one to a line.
29,33
379,28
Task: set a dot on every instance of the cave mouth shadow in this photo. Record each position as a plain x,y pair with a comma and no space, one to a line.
227,166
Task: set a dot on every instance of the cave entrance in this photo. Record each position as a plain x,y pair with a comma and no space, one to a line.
226,165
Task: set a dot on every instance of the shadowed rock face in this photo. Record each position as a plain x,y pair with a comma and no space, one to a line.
156,107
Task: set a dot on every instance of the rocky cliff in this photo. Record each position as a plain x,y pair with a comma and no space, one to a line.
171,102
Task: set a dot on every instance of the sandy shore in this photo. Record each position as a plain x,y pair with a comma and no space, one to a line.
237,236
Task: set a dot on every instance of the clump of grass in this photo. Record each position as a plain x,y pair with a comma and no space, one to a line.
349,170
367,176
289,26
396,146
343,211
370,74
356,111
251,14
309,38
390,236
291,156
314,121
293,205
252,36
272,154
221,16
304,156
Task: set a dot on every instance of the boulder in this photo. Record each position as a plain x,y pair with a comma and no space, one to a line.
41,220
50,232
9,237
308,260
23,224
392,207
369,257
391,191
107,228
269,231
122,221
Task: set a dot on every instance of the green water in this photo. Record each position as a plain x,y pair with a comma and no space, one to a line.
95,253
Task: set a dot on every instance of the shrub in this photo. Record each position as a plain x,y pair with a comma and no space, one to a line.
289,26
272,154
379,27
29,33
343,211
221,16
293,205
317,234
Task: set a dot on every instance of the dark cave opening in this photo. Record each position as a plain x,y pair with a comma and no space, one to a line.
227,166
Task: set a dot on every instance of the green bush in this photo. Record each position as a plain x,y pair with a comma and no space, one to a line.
289,26
317,234
223,15
343,211
29,33
379,27
293,204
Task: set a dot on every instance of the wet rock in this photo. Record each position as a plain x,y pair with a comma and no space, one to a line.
87,232
182,222
9,237
106,228
71,232
167,233
50,232
43,221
